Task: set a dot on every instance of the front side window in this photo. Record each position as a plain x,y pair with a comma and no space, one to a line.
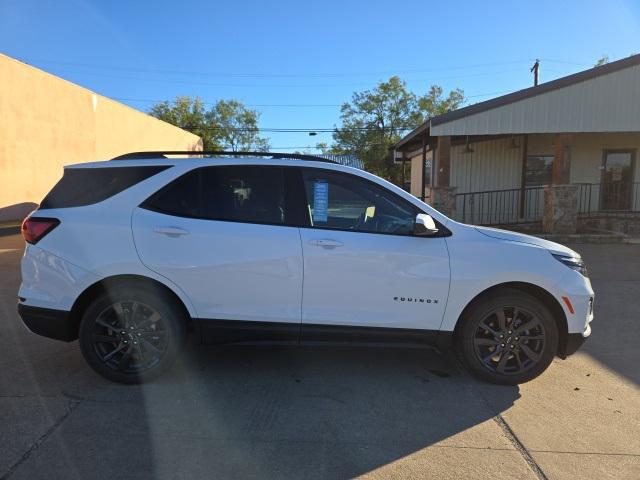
346,202
243,193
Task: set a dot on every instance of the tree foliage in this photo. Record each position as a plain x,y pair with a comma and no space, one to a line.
237,126
602,60
228,125
376,119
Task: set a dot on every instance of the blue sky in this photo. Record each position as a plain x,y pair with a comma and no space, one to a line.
270,54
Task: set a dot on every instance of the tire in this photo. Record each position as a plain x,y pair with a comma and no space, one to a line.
132,333
509,348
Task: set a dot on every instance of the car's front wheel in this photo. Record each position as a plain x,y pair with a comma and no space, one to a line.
508,337
131,333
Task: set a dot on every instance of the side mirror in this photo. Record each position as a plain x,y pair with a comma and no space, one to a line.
424,225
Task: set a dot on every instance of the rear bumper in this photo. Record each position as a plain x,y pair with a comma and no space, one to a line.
56,324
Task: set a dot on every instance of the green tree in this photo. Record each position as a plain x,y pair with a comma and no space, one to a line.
237,126
228,125
602,60
189,114
376,119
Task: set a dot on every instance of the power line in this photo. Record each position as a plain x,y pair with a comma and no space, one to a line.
285,105
277,85
275,75
148,100
296,130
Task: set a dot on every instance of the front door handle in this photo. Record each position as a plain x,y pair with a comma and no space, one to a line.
171,231
325,243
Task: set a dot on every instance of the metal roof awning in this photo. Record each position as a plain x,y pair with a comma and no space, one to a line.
600,99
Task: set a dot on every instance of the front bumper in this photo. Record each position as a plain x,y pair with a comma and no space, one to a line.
575,341
56,324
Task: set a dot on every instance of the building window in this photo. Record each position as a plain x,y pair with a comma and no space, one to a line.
538,170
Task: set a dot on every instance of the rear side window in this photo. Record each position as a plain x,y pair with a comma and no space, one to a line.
86,186
243,193
180,197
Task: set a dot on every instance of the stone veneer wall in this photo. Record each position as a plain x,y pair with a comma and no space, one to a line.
560,209
443,199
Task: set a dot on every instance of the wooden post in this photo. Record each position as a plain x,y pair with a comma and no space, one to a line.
523,175
423,168
443,164
561,168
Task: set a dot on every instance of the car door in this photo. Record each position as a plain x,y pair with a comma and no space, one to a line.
363,267
222,235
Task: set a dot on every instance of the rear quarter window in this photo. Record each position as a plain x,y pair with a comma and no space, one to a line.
86,186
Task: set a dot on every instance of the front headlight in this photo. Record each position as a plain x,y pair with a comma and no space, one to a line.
574,263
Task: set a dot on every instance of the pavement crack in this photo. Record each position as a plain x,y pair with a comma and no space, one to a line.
515,441
73,404
504,426
605,454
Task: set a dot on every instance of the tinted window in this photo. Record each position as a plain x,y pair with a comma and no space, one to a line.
243,193
346,202
86,186
180,197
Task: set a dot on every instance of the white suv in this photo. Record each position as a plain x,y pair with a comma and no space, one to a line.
129,255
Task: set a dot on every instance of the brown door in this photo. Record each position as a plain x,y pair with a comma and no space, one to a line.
617,180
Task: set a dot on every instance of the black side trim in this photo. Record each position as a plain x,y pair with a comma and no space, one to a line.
314,333
239,331
573,344
56,324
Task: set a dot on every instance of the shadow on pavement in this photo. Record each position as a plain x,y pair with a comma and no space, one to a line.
262,412
259,412
615,276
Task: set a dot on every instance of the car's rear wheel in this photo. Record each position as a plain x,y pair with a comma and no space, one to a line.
132,333
508,337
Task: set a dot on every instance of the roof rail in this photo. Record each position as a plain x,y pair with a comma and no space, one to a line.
211,153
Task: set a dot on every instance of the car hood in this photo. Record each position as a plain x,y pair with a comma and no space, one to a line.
528,239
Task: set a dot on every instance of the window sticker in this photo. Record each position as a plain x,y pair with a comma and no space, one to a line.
320,200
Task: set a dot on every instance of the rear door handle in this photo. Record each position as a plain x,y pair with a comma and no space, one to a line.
325,243
171,231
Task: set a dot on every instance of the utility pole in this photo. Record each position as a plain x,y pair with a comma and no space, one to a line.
534,69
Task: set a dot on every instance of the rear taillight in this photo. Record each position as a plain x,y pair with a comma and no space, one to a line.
34,228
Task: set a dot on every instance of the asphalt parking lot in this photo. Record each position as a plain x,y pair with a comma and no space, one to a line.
326,412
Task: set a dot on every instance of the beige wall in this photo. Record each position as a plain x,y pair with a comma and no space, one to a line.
416,174
47,122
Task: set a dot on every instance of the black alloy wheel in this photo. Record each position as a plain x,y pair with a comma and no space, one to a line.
510,340
507,337
130,337
132,332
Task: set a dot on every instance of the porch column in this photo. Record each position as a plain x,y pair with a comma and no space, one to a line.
443,161
423,173
443,195
561,198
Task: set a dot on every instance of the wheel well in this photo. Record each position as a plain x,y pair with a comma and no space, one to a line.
85,298
538,292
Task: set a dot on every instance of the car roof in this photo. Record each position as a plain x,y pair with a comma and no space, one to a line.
211,161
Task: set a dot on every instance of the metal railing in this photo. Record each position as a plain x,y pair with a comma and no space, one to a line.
501,207
600,198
